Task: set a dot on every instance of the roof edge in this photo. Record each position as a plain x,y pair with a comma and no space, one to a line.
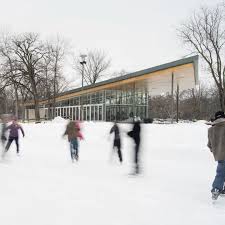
191,59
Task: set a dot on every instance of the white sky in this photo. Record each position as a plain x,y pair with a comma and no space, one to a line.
136,34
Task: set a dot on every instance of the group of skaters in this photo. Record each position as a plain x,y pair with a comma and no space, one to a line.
216,144
74,134
135,135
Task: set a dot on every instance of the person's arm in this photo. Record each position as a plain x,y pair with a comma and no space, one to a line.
3,129
66,132
112,129
209,142
22,131
131,133
8,128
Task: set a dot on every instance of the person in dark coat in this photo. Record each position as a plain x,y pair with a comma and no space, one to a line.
117,140
135,134
216,143
14,135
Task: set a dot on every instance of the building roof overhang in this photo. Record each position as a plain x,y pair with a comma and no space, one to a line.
131,76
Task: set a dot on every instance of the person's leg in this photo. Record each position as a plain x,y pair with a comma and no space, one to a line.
223,191
3,140
117,145
17,144
71,151
8,144
220,176
76,154
76,147
136,159
2,146
119,151
120,154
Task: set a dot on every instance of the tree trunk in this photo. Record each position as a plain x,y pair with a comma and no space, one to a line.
17,103
222,99
35,94
23,110
54,94
36,109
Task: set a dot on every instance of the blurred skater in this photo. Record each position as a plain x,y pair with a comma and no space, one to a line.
14,135
216,143
73,132
3,132
117,141
135,134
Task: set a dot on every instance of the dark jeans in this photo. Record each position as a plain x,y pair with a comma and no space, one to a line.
74,149
218,182
117,144
11,139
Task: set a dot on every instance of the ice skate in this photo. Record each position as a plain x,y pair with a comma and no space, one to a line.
215,194
222,193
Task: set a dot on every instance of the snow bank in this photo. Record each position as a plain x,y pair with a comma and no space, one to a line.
58,119
201,122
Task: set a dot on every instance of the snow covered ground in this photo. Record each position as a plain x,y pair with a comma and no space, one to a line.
43,187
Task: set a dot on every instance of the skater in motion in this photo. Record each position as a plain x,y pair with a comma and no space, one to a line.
135,134
216,143
73,133
14,135
117,141
3,133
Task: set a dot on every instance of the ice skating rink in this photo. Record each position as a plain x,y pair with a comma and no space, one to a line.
43,187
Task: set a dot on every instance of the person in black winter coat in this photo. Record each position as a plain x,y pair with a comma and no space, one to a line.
135,134
117,140
14,135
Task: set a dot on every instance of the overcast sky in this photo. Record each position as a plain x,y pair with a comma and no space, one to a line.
136,34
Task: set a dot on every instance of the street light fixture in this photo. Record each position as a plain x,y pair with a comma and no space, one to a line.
82,62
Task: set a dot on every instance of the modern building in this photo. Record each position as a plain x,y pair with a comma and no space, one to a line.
122,97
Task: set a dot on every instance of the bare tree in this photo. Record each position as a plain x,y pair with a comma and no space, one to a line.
97,63
193,104
56,53
160,106
204,33
29,52
10,75
119,73
32,69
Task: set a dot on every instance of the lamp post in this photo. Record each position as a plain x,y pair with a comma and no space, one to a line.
82,62
178,96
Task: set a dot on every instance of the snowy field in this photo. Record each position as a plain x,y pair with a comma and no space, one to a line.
43,186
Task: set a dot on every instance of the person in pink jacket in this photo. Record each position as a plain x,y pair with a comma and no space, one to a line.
73,132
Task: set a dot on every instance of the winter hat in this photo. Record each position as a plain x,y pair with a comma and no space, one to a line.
219,114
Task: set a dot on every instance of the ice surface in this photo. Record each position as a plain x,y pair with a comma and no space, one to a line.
43,187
